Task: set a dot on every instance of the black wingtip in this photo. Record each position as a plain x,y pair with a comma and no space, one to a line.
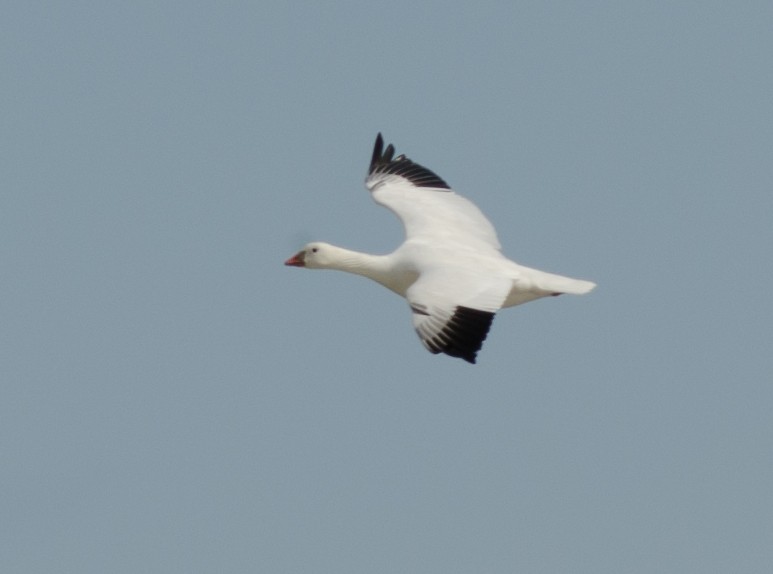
382,162
464,334
378,147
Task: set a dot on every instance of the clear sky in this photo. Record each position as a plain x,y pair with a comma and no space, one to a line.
174,399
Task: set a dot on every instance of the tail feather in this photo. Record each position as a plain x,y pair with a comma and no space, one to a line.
558,284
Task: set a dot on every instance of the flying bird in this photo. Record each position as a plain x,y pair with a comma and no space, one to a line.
450,267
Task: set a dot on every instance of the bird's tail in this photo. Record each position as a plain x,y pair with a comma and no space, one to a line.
558,284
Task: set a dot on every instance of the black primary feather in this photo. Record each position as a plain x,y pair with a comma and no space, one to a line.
420,176
463,335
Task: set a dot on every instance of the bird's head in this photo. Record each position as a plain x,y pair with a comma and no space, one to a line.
315,255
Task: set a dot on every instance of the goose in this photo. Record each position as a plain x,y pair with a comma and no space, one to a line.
450,267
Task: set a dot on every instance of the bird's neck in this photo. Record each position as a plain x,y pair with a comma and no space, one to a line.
379,268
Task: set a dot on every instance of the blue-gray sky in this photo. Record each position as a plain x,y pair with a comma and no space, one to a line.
174,399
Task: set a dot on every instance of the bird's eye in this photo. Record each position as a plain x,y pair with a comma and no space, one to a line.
314,249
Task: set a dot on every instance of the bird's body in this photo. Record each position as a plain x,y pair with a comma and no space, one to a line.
450,268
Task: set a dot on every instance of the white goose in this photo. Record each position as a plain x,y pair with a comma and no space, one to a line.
450,268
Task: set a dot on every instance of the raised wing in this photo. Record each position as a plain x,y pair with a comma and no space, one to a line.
427,206
453,310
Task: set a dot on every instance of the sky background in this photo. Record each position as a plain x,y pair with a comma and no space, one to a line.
174,399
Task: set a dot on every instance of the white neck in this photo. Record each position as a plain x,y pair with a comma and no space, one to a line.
380,268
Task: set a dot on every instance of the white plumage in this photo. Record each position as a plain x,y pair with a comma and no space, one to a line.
449,268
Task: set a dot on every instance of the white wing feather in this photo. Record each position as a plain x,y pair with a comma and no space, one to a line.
434,214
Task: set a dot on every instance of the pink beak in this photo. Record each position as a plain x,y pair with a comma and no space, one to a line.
297,260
